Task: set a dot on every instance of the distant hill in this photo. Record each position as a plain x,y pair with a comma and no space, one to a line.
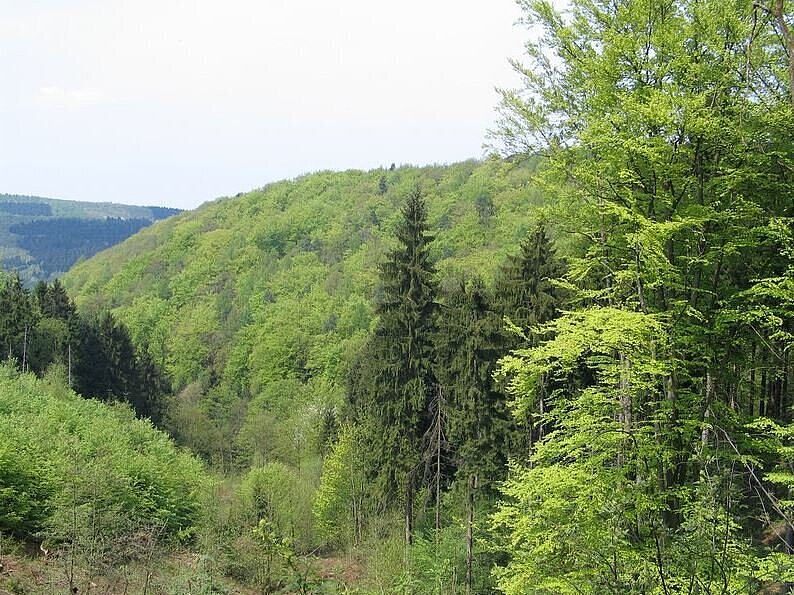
212,288
43,237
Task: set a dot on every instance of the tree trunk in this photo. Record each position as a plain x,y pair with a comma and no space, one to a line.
25,350
470,536
438,465
409,510
788,42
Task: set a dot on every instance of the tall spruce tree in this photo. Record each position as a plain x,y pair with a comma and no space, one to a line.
525,294
394,386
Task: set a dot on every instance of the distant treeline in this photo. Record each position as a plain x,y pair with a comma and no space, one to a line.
60,242
163,212
29,209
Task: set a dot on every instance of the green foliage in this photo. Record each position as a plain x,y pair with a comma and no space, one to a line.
658,117
70,460
24,491
298,577
338,503
402,378
17,317
525,288
480,431
656,407
282,498
42,328
257,307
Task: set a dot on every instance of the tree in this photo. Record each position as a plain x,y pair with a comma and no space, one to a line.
527,295
109,367
338,504
52,335
150,387
671,127
470,342
395,392
17,318
525,288
54,301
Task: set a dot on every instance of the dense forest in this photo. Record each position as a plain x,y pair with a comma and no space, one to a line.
41,238
40,209
57,243
564,371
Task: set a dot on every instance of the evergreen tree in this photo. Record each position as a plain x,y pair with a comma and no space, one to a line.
150,386
90,361
18,316
527,296
121,357
54,301
54,330
393,390
105,367
525,292
470,342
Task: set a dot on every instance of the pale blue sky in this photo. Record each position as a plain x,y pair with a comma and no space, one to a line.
176,102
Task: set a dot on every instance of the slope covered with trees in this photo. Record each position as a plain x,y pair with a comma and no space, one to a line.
252,302
265,307
41,238
87,482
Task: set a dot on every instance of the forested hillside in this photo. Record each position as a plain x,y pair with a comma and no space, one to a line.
565,371
42,237
268,296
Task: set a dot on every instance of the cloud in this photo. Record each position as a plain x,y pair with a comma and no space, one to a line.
58,97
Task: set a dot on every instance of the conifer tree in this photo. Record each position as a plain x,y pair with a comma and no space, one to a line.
524,289
91,363
470,342
55,328
394,389
106,362
17,319
54,302
526,295
150,386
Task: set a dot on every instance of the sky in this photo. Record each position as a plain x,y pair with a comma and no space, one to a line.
176,102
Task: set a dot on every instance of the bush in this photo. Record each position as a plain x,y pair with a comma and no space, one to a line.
278,494
24,491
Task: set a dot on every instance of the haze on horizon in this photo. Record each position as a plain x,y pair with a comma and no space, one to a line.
176,103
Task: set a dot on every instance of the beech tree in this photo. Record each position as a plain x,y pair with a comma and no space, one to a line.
671,126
